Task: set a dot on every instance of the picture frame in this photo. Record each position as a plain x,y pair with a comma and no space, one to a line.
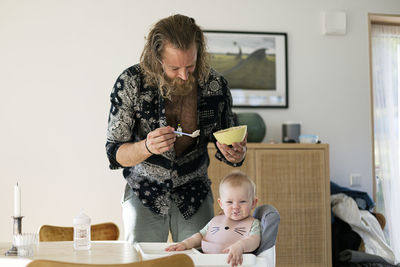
254,64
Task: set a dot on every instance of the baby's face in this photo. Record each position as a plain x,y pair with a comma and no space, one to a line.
236,202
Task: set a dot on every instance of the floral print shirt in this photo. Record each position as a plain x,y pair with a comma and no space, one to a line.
136,110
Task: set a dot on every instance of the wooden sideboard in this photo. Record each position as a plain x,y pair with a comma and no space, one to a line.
294,178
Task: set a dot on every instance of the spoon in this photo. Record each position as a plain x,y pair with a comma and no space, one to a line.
193,135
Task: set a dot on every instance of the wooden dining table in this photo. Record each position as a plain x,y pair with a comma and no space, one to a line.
101,252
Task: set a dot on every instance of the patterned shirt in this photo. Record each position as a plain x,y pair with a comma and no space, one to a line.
136,110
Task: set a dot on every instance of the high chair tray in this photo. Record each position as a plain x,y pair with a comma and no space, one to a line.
150,250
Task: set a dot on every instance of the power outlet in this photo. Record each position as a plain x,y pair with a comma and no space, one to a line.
355,180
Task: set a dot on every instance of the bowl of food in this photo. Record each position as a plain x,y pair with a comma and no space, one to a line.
231,135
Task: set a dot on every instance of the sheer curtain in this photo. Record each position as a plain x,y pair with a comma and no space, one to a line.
386,95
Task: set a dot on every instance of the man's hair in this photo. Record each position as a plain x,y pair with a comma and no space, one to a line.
238,179
181,32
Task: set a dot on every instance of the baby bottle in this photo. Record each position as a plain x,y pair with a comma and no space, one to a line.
81,231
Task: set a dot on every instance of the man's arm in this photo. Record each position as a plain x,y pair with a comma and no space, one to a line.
157,142
130,154
236,154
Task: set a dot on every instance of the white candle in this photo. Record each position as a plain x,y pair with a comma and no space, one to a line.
17,201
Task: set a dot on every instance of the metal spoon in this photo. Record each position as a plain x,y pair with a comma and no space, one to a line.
193,135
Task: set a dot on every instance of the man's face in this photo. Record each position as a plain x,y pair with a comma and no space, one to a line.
179,63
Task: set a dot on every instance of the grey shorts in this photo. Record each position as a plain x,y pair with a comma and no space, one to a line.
143,225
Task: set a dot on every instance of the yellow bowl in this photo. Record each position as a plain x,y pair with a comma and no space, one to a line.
231,135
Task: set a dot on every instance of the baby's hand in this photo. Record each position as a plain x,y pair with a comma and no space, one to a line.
235,254
176,247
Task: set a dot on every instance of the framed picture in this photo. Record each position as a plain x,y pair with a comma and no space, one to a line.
254,64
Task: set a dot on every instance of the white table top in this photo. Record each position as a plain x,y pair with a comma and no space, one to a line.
116,252
101,252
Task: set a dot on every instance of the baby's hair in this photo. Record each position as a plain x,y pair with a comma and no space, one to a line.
237,179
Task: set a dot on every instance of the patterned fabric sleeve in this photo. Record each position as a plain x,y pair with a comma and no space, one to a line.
111,150
120,120
203,231
255,228
227,121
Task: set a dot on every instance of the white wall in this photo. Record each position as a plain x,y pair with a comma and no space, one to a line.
59,60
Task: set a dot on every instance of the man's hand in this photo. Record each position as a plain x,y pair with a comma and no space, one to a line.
160,140
236,153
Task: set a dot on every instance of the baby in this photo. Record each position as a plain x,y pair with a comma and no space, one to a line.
234,232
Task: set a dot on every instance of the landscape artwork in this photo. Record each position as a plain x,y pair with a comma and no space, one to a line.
254,64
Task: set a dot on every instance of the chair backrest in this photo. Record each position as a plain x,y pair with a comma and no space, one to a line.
270,219
101,231
176,260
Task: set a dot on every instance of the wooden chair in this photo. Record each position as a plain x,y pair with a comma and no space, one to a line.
176,260
102,231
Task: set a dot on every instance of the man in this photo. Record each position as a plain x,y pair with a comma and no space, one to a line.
173,88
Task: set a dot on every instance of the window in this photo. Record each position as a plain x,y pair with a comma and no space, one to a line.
385,66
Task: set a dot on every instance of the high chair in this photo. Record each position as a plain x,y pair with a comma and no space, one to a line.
269,218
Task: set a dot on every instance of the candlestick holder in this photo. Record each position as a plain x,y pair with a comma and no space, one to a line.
17,230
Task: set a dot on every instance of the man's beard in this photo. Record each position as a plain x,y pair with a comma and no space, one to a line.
176,86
